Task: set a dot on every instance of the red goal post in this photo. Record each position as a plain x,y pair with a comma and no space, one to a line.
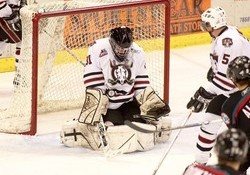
56,37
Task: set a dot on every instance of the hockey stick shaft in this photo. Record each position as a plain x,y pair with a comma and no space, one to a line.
171,144
143,130
193,125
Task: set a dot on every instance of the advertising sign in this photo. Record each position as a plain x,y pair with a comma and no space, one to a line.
185,15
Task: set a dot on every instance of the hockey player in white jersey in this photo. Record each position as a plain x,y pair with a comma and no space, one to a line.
118,89
227,43
10,26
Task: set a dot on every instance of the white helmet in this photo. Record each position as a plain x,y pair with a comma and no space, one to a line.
213,17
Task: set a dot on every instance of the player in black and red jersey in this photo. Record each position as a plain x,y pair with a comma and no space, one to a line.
231,149
236,109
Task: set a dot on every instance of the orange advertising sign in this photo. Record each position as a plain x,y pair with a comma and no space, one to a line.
185,15
146,20
185,18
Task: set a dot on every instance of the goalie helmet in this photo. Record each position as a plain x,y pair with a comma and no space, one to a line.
213,18
232,145
120,41
239,69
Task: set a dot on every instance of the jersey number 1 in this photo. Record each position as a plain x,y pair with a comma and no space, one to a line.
88,60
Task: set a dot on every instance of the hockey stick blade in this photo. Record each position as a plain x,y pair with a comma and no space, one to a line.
143,130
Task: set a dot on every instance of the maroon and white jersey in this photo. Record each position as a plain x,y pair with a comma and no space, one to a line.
121,81
7,34
228,45
6,7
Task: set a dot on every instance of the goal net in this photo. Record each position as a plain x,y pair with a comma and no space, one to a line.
56,37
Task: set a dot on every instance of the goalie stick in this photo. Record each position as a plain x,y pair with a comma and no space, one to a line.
108,152
172,143
102,134
138,128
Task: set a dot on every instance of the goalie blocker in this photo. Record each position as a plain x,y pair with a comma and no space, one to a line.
84,131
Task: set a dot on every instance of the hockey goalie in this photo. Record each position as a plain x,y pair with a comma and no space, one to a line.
117,90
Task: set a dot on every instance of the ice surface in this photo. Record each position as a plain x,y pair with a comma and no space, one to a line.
43,154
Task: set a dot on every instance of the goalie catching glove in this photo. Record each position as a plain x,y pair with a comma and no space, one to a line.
151,105
200,100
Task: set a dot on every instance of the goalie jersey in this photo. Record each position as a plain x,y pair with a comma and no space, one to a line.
120,81
227,46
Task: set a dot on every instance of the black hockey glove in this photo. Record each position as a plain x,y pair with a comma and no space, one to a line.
200,100
210,74
155,113
14,21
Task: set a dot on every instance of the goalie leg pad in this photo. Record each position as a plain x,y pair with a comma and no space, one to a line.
163,124
151,103
120,137
146,141
95,105
128,140
75,134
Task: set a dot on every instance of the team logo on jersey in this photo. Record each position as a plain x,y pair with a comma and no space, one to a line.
227,42
121,73
103,53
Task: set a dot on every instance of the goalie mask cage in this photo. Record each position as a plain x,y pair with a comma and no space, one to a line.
56,36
